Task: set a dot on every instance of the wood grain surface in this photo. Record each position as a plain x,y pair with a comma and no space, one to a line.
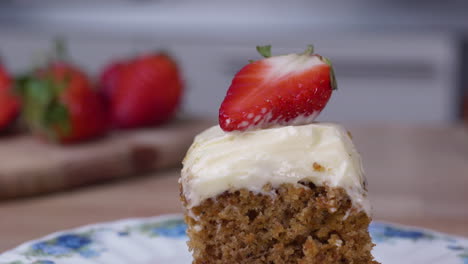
417,176
29,166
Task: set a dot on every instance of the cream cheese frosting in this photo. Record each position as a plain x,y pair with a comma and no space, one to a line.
221,161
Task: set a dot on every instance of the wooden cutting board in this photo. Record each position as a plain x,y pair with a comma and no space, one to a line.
29,166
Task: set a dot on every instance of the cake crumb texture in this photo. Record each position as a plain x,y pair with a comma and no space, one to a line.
300,224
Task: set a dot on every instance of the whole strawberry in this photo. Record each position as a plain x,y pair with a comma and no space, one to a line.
61,105
148,92
109,78
9,103
282,90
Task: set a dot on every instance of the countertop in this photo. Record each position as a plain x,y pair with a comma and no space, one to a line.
417,176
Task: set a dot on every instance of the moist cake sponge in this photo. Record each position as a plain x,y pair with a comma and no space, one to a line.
319,217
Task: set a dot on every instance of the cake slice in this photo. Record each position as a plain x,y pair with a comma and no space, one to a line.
278,188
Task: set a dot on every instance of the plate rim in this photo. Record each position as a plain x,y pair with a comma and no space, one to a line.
87,227
163,217
424,229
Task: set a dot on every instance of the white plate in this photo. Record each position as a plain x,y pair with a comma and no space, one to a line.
162,240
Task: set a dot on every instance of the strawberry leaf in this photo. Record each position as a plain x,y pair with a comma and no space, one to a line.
334,84
265,51
43,111
57,116
36,97
38,91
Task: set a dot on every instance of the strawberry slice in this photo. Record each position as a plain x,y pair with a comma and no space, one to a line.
282,90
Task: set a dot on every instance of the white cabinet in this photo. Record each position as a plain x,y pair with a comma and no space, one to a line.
381,77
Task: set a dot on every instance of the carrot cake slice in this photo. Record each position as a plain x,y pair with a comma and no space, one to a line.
273,188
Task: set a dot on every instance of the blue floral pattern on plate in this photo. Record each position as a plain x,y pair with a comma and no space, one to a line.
63,245
163,240
383,232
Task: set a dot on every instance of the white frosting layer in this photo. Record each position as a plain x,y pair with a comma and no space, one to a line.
219,161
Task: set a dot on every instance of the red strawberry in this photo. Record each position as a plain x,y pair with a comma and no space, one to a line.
281,90
60,104
9,104
109,78
148,92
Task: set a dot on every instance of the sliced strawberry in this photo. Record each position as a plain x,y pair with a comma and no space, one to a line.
283,90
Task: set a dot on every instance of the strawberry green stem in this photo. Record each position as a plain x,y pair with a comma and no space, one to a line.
265,51
60,49
309,50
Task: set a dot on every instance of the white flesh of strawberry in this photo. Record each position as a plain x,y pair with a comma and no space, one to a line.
281,66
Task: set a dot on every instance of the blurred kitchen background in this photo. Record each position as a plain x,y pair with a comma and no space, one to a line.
395,60
402,70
